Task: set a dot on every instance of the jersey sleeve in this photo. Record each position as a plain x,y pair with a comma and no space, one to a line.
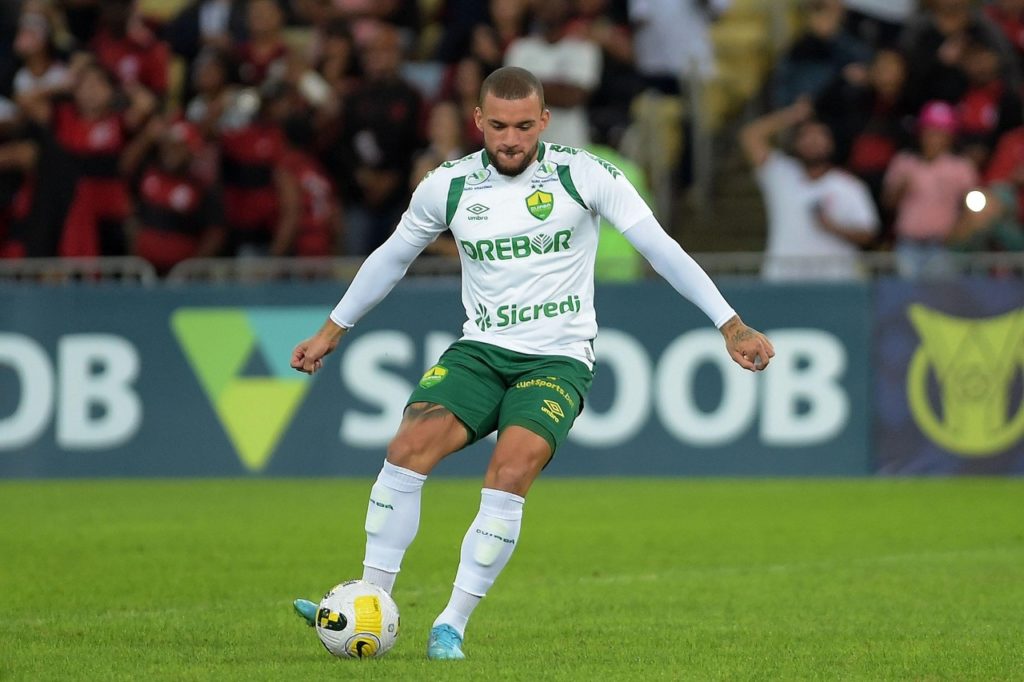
425,218
606,191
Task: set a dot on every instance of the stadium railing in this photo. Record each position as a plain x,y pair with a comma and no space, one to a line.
66,270
292,269
871,264
262,270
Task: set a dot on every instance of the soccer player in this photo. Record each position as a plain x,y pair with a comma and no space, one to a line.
525,214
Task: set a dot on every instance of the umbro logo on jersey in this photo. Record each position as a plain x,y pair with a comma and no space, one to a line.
477,209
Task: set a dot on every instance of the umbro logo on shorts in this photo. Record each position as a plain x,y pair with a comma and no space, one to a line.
553,410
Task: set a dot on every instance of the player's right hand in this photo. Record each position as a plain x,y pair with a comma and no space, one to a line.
308,356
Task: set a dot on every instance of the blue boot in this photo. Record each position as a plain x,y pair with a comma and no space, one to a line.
307,610
445,644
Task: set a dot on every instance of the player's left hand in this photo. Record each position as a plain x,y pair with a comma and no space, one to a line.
749,348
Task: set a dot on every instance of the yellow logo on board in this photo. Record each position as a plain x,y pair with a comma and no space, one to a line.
975,364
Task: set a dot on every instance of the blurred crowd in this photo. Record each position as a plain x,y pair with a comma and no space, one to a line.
905,132
277,127
300,127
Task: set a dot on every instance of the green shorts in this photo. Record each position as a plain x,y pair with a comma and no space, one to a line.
488,388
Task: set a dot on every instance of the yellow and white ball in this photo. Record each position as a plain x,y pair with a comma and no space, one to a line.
357,620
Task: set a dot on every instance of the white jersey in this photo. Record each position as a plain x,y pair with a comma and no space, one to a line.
527,243
798,248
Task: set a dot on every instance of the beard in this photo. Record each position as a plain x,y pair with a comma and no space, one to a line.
512,170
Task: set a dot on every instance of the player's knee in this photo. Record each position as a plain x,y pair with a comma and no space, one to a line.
415,450
514,476
404,449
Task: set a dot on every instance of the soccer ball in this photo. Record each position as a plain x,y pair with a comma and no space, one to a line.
357,619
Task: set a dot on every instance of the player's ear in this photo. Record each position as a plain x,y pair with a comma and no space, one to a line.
545,116
478,118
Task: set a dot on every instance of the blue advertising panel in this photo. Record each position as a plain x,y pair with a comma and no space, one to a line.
194,381
950,377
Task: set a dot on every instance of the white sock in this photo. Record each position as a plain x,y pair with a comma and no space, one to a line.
486,549
392,519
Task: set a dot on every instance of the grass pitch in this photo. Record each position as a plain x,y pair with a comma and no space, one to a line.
613,579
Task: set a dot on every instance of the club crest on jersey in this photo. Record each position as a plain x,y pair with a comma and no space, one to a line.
540,204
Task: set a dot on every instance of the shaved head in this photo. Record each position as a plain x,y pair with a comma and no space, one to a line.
511,82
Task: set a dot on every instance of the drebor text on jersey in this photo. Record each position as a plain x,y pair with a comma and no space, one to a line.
520,246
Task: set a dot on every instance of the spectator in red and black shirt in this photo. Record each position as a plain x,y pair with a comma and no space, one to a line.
125,46
868,114
206,24
17,159
1008,15
265,45
382,127
177,215
261,200
80,155
935,42
988,108
320,217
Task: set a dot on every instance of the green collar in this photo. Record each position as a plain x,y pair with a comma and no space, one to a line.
485,158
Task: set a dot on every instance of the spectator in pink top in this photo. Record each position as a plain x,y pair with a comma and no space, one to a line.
926,191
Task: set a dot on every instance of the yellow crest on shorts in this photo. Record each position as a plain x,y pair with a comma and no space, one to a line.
433,376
